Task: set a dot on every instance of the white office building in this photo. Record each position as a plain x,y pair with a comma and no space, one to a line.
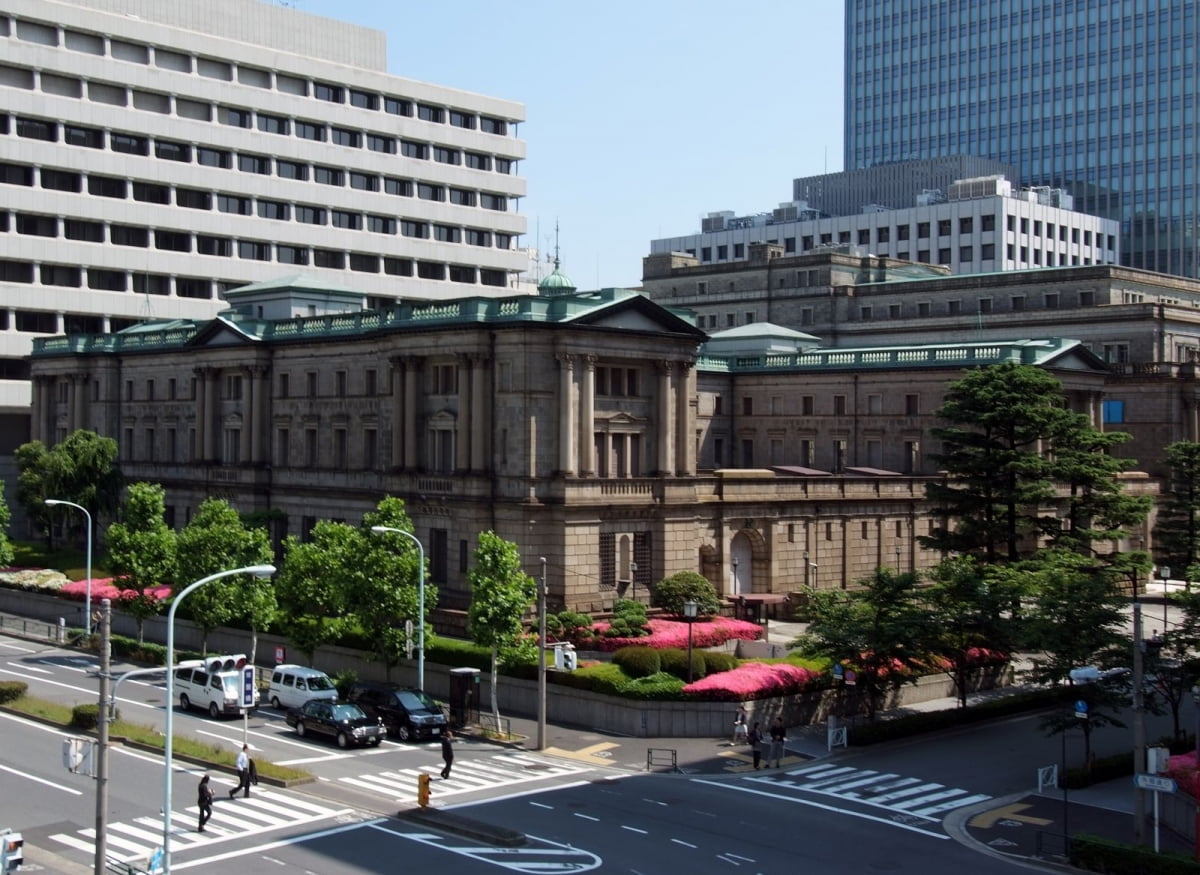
155,153
980,225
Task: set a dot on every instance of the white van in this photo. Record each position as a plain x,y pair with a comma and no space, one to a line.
293,685
214,686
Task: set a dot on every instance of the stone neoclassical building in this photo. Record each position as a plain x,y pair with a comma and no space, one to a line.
600,430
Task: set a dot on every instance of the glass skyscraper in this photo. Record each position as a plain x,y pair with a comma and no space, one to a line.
1098,97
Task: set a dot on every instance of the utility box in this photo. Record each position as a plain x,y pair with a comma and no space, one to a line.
464,697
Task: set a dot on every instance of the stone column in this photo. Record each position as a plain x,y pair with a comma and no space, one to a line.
398,418
566,414
412,453
70,403
80,381
665,433
628,441
587,418
480,428
248,423
462,443
201,412
685,420
260,438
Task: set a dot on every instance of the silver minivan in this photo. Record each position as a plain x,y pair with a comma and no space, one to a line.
293,685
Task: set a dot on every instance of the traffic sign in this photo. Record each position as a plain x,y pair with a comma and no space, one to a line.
1157,783
1081,710
851,678
248,687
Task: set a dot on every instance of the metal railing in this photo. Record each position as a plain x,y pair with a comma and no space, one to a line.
490,726
1052,846
658,757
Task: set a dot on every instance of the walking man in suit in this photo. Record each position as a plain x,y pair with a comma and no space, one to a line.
447,752
243,768
205,801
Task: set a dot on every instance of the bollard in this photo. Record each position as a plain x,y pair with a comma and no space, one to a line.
61,632
423,790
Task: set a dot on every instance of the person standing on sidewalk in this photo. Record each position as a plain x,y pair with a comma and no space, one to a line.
754,738
447,752
205,801
739,724
243,769
778,740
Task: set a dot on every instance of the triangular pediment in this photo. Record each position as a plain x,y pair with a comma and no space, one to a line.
636,312
222,332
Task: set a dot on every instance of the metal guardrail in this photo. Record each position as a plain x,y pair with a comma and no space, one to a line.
1052,846
662,756
119,867
501,728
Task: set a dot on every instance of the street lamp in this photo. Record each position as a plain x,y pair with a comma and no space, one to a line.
257,571
633,580
734,588
1164,573
420,599
689,610
87,606
898,569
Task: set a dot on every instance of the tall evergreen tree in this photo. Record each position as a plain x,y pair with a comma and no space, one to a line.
1177,533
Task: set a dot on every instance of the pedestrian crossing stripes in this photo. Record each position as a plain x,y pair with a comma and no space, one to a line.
467,776
262,812
893,792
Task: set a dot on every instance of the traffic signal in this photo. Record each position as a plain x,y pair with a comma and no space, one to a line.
12,854
423,790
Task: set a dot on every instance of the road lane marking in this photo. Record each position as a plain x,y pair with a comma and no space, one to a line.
824,807
282,843
30,668
70,790
988,819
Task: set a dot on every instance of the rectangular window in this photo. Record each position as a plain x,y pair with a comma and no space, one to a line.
478,161
397,266
273,124
169,151
208,245
328,175
310,131
363,100
493,201
193,199
77,229
193,287
429,192
447,234
273,210
966,225
173,241
37,226
344,137
839,405
462,119
446,156
428,113
381,224
61,275
128,235
331,93
493,125
237,118
147,192
477,237
78,135
987,223
290,169
254,250
409,149
364,181
330,258
37,129
310,215
106,280
379,143
229,203
396,106
260,164
343,219
291,254
462,197
214,157
107,186
400,187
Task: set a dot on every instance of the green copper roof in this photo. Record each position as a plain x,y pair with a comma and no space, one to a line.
558,283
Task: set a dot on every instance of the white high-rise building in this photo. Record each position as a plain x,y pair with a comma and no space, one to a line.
154,154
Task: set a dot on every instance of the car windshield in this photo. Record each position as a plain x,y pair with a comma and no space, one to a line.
415,700
230,684
320,682
347,712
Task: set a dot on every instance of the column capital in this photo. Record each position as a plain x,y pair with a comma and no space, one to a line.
664,366
565,359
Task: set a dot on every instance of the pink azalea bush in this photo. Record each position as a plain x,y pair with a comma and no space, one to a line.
673,633
1183,769
102,588
753,680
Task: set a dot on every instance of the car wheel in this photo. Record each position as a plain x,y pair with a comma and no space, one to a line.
213,710
402,731
185,703
300,728
343,740
275,702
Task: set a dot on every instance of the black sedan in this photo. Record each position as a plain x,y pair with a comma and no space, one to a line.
349,724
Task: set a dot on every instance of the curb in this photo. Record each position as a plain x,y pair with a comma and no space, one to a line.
452,822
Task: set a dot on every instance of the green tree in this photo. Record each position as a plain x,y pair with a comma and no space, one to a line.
1077,620
501,593
966,610
312,600
671,592
386,596
82,468
879,631
215,540
141,551
998,419
1177,532
6,550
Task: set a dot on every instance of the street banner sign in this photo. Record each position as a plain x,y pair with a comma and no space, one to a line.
248,687
1157,783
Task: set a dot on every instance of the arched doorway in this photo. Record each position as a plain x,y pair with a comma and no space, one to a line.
741,565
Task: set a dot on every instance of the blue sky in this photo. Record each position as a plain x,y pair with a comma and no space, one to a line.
641,117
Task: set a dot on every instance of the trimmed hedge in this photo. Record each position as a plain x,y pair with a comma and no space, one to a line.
85,716
10,690
716,661
675,661
638,662
658,686
603,677
1095,854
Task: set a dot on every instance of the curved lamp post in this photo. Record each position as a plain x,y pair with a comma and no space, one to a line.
690,609
87,607
420,599
257,571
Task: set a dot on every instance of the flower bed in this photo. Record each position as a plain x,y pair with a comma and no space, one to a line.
102,588
1183,769
674,633
753,680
